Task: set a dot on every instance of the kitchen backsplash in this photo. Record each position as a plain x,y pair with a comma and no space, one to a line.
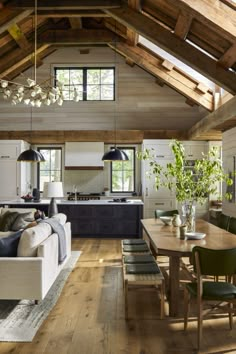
85,181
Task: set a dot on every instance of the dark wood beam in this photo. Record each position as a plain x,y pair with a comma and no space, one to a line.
15,19
229,58
183,25
75,36
71,13
214,119
65,5
184,51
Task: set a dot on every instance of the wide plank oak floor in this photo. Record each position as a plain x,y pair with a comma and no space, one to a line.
89,315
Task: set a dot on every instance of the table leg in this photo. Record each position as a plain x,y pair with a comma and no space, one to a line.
174,285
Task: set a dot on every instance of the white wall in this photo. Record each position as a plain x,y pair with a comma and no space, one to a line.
229,152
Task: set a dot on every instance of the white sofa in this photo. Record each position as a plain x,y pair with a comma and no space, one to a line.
31,274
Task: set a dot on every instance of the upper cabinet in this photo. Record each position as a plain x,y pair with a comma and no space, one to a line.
84,155
194,149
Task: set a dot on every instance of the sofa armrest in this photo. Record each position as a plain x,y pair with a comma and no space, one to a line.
21,278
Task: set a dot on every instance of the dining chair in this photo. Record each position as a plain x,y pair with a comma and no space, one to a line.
223,221
232,225
159,213
208,262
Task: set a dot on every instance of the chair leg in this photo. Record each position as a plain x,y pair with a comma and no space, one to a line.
199,325
230,315
186,307
162,295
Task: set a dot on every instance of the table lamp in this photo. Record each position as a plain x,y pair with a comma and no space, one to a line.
54,190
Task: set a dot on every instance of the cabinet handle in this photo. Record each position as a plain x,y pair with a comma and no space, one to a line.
5,157
17,190
146,192
160,156
159,203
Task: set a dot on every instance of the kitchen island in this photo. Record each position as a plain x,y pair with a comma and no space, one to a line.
95,218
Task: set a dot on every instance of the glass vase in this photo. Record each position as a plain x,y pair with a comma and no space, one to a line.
188,213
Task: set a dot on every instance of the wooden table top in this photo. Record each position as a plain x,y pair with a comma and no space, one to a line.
167,239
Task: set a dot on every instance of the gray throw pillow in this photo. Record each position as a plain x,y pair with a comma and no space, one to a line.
7,220
22,220
9,245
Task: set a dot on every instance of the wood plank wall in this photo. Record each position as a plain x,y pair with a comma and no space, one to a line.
141,103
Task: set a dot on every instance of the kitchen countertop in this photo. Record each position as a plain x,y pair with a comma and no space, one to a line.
71,202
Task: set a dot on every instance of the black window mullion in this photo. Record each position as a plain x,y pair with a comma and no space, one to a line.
84,84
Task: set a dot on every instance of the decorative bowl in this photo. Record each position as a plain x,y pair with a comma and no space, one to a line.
167,220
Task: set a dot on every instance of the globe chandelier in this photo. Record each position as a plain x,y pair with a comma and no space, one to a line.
33,93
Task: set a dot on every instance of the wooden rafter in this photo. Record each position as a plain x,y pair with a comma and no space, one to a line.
214,119
173,78
184,51
132,36
65,5
229,57
76,36
71,13
14,19
183,24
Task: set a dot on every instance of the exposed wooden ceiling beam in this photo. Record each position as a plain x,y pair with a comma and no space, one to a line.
210,12
76,36
72,13
65,5
229,58
11,64
15,19
132,36
18,36
214,119
173,78
76,23
184,51
183,24
122,136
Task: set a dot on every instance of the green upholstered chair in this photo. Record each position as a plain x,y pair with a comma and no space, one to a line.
223,221
208,262
232,225
159,213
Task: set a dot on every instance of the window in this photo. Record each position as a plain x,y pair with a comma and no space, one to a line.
89,84
51,169
123,173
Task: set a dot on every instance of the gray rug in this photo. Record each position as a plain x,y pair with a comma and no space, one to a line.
20,320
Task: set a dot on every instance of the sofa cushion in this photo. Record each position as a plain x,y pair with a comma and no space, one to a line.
31,239
7,219
9,244
22,220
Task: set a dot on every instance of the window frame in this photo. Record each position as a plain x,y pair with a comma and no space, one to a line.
39,148
84,84
133,148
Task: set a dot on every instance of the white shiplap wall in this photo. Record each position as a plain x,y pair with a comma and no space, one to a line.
140,104
228,154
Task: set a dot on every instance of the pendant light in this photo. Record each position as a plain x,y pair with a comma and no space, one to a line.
31,155
115,154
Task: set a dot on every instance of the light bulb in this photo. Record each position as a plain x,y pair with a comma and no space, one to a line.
4,83
27,101
7,92
20,89
37,89
60,101
38,103
30,82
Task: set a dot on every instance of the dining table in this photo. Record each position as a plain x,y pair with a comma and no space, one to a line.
165,240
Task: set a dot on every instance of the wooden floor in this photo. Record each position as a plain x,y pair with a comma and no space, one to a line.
89,315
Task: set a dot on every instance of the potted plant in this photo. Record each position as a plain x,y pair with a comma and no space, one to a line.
192,184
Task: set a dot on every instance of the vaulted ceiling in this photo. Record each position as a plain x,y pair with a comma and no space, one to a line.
201,34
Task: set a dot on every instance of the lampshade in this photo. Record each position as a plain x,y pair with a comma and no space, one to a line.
115,155
31,155
54,190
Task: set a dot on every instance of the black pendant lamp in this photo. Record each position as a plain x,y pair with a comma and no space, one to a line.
31,155
115,155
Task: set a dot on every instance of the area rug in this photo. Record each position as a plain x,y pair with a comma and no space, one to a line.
20,320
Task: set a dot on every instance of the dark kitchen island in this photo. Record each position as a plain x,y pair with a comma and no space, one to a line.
95,218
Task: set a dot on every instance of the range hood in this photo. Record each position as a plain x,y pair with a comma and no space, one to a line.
84,155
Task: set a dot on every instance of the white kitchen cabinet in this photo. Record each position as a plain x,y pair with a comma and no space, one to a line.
14,176
84,155
194,149
162,198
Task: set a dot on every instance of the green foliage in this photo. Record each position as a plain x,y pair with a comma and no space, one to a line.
194,183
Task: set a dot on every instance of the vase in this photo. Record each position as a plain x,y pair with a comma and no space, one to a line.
188,213
176,221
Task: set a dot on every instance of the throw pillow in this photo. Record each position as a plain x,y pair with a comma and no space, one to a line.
21,221
7,220
9,245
